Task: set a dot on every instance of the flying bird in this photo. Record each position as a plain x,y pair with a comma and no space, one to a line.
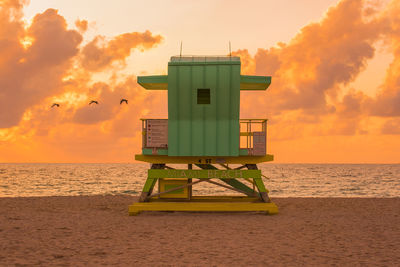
55,105
123,100
93,102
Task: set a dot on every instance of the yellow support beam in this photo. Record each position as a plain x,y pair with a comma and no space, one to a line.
269,208
211,199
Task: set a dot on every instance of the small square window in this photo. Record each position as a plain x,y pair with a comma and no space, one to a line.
203,96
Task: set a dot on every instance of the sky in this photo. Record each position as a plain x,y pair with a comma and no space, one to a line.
335,67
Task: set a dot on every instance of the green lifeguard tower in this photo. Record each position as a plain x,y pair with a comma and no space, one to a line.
204,132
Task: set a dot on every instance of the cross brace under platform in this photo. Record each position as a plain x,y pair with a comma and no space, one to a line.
175,190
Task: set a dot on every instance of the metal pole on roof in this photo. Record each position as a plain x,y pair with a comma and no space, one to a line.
230,52
181,50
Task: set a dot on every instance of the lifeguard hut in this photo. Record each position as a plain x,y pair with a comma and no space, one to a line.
204,132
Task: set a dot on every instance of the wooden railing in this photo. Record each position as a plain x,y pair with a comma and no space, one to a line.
253,136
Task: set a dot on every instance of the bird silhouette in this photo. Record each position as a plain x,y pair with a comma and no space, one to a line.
55,105
93,102
123,100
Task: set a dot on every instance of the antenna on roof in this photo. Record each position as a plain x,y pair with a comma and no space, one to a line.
230,52
181,50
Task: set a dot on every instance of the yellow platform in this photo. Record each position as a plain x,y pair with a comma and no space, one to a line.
205,204
203,159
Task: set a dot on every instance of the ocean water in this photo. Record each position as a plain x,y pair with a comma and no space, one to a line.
284,180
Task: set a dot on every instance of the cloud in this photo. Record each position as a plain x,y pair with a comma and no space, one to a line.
32,71
44,60
108,97
320,58
391,126
387,101
99,54
311,73
43,63
82,25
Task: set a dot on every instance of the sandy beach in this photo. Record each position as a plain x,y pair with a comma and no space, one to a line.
96,230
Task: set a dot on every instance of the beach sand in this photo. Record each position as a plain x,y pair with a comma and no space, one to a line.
96,230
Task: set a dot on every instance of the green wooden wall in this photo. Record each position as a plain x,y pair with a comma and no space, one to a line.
203,129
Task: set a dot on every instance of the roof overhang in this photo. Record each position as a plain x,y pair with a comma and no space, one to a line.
254,82
247,82
153,82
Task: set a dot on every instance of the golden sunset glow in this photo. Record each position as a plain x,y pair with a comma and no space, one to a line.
26,42
334,96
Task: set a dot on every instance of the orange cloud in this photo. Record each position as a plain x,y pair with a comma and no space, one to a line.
391,126
28,75
42,63
35,61
82,25
97,56
311,71
387,101
320,58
